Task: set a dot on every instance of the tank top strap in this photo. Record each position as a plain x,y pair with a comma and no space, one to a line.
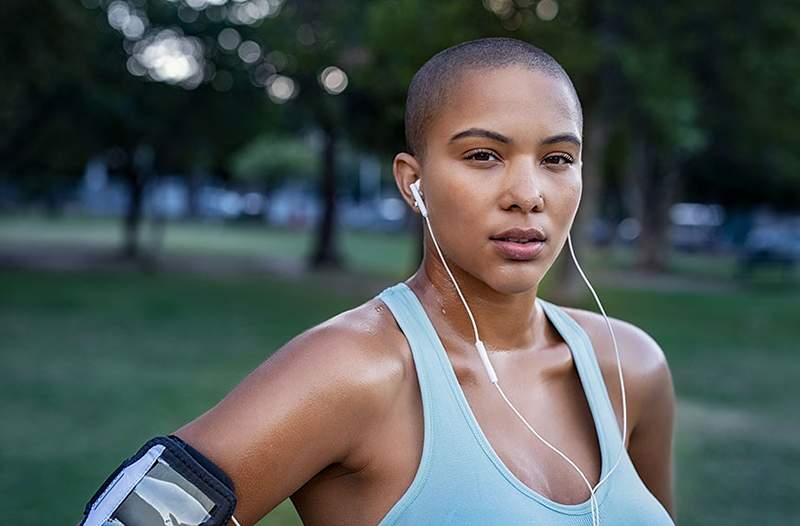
438,385
588,367
438,410
405,313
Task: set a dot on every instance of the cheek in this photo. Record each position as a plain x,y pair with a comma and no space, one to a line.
457,193
454,209
464,211
566,198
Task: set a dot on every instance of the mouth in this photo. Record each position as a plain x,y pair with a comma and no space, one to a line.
521,235
518,251
519,244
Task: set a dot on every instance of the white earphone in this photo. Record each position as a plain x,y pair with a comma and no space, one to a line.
487,364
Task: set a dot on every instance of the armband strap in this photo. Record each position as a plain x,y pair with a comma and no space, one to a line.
167,482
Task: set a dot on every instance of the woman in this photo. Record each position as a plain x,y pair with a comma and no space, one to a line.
385,414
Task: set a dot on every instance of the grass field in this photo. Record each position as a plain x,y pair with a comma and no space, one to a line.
94,363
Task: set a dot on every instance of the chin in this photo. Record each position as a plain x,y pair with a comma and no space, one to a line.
514,279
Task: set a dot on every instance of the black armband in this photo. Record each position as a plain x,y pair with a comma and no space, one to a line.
167,482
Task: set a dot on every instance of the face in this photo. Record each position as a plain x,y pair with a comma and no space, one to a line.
505,152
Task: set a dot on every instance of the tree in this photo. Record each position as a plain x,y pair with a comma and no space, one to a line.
73,98
42,78
272,159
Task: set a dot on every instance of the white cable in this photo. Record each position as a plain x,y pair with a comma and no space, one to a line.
616,353
235,522
594,505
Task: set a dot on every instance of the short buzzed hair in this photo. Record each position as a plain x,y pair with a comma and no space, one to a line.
432,85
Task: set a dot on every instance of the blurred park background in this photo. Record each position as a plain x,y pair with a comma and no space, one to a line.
187,184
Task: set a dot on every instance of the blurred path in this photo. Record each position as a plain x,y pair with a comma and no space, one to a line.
697,418
72,256
637,279
86,256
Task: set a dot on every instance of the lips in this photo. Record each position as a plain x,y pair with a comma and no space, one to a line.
520,235
519,244
518,251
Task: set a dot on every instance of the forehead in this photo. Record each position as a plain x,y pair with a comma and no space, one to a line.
515,101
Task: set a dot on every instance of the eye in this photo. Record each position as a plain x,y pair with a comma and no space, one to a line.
559,159
482,156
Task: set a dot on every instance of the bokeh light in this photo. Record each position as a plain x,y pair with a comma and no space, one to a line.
249,51
253,11
126,19
202,4
242,12
261,73
281,88
168,56
333,80
502,8
229,39
547,10
187,14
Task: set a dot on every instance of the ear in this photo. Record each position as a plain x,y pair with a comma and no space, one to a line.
406,170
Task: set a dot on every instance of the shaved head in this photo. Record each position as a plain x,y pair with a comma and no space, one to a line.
436,83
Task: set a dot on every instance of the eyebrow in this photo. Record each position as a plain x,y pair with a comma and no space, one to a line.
562,137
499,137
480,132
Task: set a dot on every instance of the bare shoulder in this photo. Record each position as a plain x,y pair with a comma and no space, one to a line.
368,340
644,363
361,342
641,354
357,355
649,393
308,406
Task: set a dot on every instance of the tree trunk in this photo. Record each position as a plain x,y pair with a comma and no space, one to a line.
659,190
632,178
194,183
138,172
325,253
133,215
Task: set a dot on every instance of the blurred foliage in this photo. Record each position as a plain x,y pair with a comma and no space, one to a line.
697,80
273,159
678,93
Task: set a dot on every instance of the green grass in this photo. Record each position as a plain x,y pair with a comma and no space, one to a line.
737,349
95,363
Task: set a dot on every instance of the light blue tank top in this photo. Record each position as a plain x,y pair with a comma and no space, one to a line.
461,480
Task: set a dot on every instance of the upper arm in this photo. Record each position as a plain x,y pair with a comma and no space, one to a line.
651,438
300,411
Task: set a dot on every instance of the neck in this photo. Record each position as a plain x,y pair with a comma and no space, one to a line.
505,322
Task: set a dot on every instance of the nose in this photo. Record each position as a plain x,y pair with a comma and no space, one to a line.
522,187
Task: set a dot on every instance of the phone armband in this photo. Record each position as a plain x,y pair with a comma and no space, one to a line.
167,482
